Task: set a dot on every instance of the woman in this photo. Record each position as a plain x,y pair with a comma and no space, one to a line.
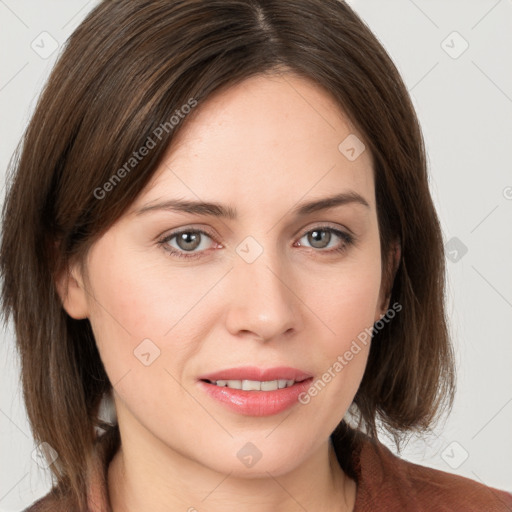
219,221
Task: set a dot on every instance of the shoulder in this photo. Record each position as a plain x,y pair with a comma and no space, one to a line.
386,478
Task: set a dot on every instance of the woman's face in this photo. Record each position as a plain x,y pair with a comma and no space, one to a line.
268,287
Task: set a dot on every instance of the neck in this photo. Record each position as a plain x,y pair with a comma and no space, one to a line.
141,477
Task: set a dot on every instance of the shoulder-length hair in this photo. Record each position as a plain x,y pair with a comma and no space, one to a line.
123,74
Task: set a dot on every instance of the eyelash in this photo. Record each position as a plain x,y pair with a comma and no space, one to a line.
347,239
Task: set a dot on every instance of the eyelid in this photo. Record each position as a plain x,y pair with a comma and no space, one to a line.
186,229
203,231
326,224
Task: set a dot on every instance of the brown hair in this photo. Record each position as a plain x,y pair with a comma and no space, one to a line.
123,73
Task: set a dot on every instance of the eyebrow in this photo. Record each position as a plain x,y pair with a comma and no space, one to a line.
228,212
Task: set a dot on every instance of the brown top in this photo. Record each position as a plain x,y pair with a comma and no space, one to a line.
385,483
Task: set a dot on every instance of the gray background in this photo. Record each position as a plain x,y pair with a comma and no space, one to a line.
463,97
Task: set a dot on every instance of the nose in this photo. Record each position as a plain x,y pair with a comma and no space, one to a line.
262,301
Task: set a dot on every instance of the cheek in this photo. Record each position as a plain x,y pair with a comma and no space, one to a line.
146,328
144,311
347,304
347,308
347,301
352,306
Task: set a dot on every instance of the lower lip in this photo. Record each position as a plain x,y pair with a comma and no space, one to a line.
257,403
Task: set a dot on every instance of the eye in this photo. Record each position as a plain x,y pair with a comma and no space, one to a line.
188,240
321,236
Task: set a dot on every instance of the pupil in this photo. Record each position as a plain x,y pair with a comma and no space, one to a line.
189,238
319,236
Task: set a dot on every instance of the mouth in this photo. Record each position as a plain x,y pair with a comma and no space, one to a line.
254,391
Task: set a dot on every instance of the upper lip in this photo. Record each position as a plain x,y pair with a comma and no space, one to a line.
255,373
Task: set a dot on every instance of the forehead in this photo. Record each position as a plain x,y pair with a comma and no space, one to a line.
266,141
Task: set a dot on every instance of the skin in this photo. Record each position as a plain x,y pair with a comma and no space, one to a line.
262,146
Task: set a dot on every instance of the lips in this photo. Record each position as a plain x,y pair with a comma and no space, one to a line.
257,374
256,403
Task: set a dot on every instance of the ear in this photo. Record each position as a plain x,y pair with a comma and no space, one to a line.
388,278
72,293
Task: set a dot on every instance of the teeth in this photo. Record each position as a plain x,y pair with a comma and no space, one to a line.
255,385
